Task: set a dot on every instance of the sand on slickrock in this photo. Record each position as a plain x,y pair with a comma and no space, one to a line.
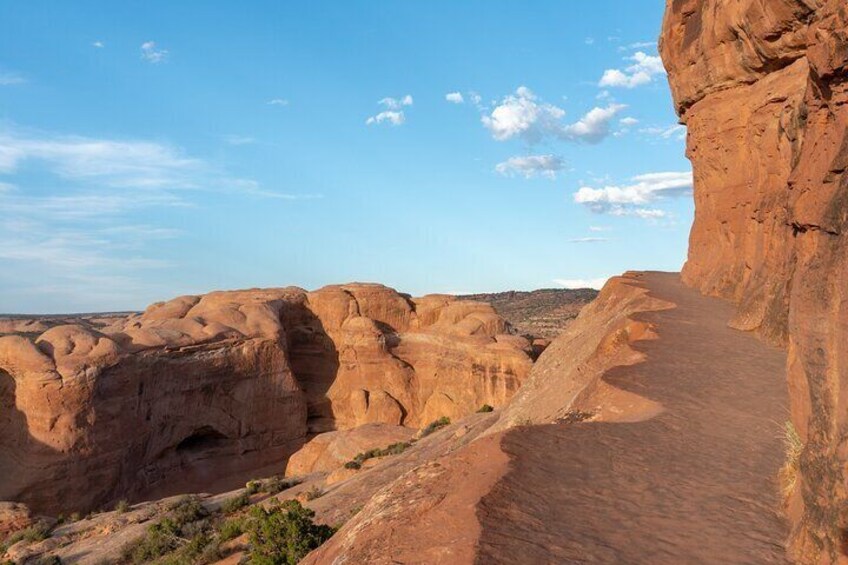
695,483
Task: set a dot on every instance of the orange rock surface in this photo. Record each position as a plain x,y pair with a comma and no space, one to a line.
763,89
201,391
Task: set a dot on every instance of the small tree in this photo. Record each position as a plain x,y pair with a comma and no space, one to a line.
283,534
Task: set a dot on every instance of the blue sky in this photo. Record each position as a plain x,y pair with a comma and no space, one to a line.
151,149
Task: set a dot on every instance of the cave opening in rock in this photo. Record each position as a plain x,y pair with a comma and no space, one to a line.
202,439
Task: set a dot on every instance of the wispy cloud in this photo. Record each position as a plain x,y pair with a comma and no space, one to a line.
98,44
278,102
152,54
643,70
394,113
676,131
589,240
83,230
11,79
239,139
634,199
531,166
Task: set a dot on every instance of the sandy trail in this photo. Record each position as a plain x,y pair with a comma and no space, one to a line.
695,484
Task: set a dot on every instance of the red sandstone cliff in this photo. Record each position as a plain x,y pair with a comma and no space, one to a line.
205,389
762,88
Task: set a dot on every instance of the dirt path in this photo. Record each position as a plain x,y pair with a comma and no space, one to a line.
695,484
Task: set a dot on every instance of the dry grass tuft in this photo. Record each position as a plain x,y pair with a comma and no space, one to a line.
789,472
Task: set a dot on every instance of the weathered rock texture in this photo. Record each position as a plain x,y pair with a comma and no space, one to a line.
204,389
762,89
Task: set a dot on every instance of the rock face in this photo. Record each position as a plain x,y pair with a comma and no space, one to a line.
762,89
200,391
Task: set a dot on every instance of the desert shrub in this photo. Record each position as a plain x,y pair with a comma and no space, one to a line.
35,533
75,517
314,492
485,409
186,529
435,425
393,449
253,486
48,560
793,446
187,510
200,549
235,503
122,507
283,534
276,485
231,529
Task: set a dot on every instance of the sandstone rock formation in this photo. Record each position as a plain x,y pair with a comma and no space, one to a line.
762,88
201,391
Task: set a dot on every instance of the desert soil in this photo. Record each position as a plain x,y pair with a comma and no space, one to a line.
694,484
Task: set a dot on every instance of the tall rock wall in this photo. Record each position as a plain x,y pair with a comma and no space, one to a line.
202,390
763,89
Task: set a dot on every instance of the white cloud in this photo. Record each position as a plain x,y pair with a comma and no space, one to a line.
531,166
598,229
595,125
394,103
390,116
628,121
633,199
394,113
589,240
11,79
643,70
278,102
454,97
575,284
589,41
98,44
151,54
525,116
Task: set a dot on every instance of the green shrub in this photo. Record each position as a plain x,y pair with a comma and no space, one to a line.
236,503
253,486
122,507
485,409
231,529
435,425
186,529
393,449
276,485
35,533
283,534
75,517
187,510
